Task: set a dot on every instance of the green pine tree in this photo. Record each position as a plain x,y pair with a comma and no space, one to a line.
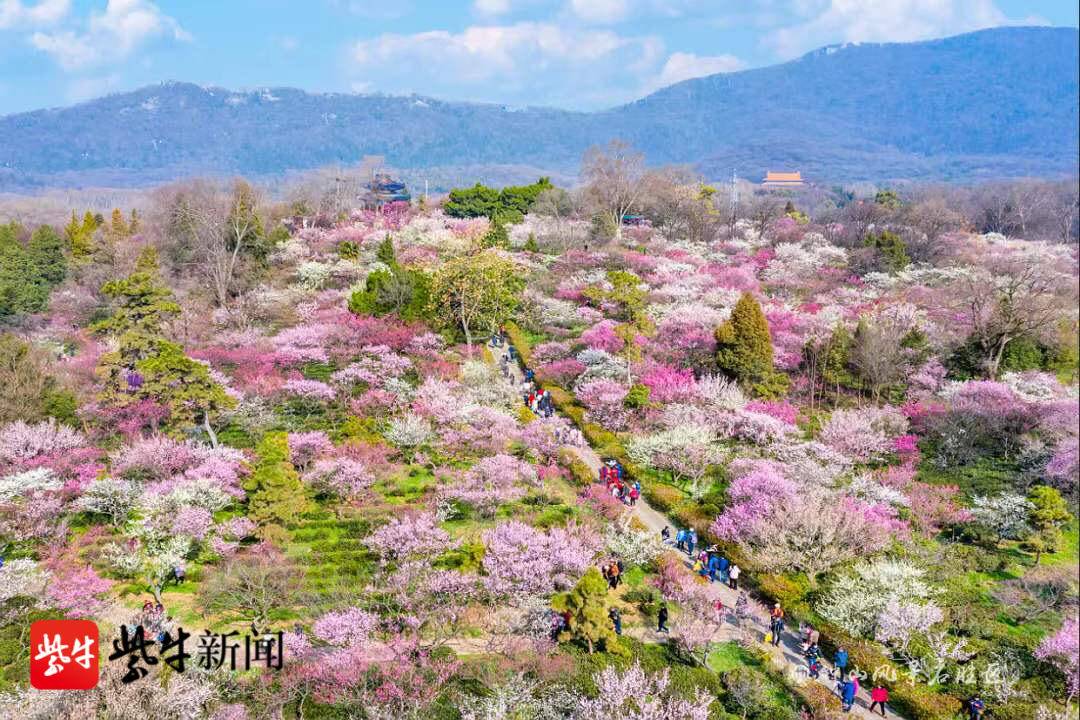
20,290
530,244
276,494
744,347
496,237
46,253
588,607
143,303
172,379
385,252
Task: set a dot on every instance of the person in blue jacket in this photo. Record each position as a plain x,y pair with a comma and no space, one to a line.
841,661
848,694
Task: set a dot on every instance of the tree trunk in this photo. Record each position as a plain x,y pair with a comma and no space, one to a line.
995,362
209,430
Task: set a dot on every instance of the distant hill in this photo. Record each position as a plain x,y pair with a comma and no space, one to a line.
995,103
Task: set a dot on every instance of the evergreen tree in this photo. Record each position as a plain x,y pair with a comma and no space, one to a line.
1049,513
530,244
19,293
143,303
892,248
385,253
275,492
172,379
588,608
744,347
835,370
118,229
46,253
496,237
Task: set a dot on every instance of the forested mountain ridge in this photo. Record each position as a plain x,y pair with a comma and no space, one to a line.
994,103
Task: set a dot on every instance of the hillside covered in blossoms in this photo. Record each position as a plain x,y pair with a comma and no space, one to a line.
448,453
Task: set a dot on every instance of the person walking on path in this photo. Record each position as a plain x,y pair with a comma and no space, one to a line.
841,661
733,577
847,695
616,620
661,619
878,697
776,623
691,541
742,608
976,708
665,534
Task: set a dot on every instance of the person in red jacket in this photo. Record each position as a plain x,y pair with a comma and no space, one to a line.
878,697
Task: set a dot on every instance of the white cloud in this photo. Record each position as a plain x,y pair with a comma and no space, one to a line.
874,21
110,36
525,63
13,13
683,66
492,7
600,11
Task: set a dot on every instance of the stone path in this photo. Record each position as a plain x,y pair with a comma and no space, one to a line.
788,656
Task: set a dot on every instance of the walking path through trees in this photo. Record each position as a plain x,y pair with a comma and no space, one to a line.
788,656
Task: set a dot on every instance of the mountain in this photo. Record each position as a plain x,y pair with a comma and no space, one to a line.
994,103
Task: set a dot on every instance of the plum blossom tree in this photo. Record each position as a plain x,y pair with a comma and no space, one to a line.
1062,650
523,560
351,626
408,536
900,621
634,694
20,442
110,497
864,434
857,600
687,452
409,432
785,528
1006,514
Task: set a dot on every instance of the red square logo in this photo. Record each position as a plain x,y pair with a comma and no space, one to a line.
64,654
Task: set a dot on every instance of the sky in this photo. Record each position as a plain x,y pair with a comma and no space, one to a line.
575,54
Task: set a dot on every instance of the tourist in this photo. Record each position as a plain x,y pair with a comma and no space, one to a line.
718,609
841,661
179,574
634,493
878,697
665,534
616,620
976,708
680,539
691,541
847,695
662,618
742,607
733,577
776,623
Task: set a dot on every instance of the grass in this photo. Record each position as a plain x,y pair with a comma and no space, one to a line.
729,655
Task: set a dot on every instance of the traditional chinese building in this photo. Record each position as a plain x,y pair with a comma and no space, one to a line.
384,189
782,179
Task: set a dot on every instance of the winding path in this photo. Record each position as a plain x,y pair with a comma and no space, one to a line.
787,657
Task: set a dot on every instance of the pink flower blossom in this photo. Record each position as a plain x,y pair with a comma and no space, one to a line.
351,626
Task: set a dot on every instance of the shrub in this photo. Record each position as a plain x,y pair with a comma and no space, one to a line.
663,497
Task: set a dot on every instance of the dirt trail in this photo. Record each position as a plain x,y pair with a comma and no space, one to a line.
788,656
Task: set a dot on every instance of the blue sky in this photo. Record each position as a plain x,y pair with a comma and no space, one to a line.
580,54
